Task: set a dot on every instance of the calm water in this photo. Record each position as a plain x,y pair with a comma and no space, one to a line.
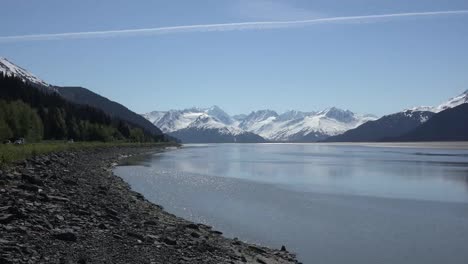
329,203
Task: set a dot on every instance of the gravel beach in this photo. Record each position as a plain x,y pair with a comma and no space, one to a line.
68,207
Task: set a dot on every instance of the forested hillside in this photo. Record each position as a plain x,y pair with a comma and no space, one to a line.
34,114
83,96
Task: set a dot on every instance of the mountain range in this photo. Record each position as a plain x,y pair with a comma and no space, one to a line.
202,125
329,125
191,124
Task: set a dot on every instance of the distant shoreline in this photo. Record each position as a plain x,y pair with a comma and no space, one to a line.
430,144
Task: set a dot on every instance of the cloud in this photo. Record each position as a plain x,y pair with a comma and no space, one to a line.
224,27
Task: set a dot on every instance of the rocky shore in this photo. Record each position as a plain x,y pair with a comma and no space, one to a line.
68,207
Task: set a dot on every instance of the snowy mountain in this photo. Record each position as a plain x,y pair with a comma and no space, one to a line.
10,69
209,129
301,126
447,125
451,103
388,126
289,126
395,125
196,125
80,96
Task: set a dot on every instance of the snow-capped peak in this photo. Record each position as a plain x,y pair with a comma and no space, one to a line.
289,126
218,113
341,115
453,102
456,101
10,69
292,115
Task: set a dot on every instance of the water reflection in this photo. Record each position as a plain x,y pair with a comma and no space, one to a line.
405,173
329,203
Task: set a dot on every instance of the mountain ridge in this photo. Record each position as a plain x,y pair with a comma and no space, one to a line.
291,125
397,124
83,96
80,96
10,69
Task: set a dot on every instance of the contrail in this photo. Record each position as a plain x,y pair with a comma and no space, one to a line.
221,27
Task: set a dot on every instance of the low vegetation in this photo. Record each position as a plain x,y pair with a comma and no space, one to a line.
10,153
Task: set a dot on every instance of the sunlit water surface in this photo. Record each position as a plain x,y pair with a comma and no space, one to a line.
330,203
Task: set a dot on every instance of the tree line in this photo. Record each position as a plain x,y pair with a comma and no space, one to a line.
36,113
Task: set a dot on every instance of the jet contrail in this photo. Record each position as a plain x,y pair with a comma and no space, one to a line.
220,27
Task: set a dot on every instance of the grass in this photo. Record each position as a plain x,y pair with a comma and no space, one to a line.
10,153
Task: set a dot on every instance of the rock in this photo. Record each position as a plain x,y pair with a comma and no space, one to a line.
150,222
192,226
117,236
111,211
6,218
257,249
32,179
195,234
28,187
103,188
82,260
70,182
4,242
57,198
59,217
139,196
135,235
150,237
110,228
4,260
5,208
65,235
170,241
113,217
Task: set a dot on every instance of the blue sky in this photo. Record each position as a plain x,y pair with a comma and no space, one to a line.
375,66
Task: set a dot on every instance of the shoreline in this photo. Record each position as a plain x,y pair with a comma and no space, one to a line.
69,207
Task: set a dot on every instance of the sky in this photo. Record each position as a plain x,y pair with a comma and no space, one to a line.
309,55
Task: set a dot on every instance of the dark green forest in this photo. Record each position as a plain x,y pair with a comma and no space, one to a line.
36,114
